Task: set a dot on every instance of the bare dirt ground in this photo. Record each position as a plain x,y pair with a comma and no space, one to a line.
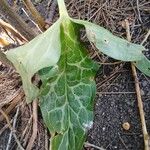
115,102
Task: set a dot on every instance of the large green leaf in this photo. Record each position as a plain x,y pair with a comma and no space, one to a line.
41,52
144,65
111,45
67,74
67,96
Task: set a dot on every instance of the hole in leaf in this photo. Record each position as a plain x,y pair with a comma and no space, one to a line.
36,80
56,133
106,41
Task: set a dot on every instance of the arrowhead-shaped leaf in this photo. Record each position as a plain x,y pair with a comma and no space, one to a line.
67,74
67,97
41,52
111,45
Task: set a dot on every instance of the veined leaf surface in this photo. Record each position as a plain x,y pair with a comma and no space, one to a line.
67,74
41,52
67,97
111,45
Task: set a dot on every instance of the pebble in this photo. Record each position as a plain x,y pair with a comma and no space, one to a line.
144,83
142,92
126,126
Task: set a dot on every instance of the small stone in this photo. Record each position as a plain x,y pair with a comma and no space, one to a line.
142,92
144,83
104,128
126,126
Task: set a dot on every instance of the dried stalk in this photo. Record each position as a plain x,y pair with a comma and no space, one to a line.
12,129
146,37
35,126
138,93
35,14
4,60
87,144
11,132
15,20
8,28
15,101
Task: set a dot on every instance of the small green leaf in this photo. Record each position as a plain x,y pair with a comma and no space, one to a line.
67,97
41,52
111,45
144,65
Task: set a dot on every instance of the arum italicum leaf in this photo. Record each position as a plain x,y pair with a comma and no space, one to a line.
67,74
111,45
41,52
116,47
67,97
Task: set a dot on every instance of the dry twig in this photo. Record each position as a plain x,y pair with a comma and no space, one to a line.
4,128
35,14
15,20
11,132
5,61
12,30
11,128
35,126
18,97
138,93
139,15
146,37
37,26
115,93
87,144
15,97
26,128
122,141
113,63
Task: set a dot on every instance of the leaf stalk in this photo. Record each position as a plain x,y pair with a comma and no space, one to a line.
62,8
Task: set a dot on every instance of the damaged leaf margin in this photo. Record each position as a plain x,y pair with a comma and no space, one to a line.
43,51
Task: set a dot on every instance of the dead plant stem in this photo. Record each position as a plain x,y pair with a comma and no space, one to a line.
138,93
16,21
146,37
11,132
11,128
5,60
34,127
92,145
35,14
15,101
